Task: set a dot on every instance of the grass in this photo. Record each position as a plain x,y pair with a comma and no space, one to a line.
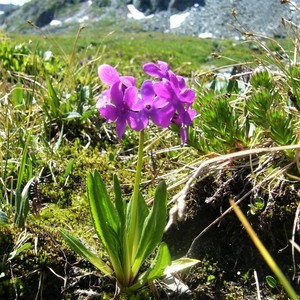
127,50
51,133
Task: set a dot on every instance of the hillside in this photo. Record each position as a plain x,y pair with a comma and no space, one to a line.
204,18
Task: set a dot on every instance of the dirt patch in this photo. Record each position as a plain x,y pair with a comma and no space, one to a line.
228,257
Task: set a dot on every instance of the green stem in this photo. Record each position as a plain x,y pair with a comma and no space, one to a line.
133,230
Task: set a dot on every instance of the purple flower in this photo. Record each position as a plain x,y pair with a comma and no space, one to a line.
174,89
160,70
150,106
165,101
180,98
119,109
184,119
110,75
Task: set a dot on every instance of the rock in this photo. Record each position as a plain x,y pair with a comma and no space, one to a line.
153,6
179,5
45,17
203,18
150,6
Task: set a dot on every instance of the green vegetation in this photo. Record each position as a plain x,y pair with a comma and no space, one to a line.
245,136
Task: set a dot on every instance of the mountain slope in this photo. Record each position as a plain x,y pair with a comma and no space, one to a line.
194,17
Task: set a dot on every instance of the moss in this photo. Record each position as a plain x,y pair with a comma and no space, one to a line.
37,268
56,187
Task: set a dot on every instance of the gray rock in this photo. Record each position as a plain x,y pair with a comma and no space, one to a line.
202,17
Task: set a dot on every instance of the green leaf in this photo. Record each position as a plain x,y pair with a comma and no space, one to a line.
72,115
3,218
153,227
69,168
211,277
120,204
105,220
54,100
161,261
142,213
17,94
13,254
271,281
22,208
101,206
77,246
181,264
157,267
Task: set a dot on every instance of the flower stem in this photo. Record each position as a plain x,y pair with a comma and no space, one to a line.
133,228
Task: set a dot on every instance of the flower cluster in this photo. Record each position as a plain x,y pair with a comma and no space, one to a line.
164,101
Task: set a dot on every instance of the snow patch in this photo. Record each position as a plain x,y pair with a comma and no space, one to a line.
136,14
177,19
55,23
14,2
81,20
205,35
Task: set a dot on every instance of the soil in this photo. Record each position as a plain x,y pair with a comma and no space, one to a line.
228,259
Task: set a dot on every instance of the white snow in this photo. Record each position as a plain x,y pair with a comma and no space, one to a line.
55,23
136,14
81,20
177,19
205,35
14,2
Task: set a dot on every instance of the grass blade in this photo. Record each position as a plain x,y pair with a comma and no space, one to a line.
264,252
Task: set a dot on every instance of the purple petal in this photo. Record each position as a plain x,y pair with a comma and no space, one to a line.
138,105
163,66
120,126
154,70
127,80
187,96
161,117
192,113
163,90
137,121
160,102
181,82
181,111
104,99
117,95
173,79
147,91
109,112
131,96
108,74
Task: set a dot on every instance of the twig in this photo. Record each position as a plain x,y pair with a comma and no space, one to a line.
257,285
237,201
296,224
178,210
